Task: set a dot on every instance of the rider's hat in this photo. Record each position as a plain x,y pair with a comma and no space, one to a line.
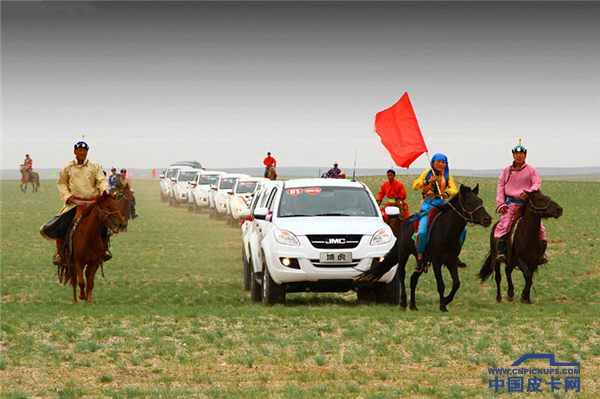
123,170
519,148
82,144
113,168
26,155
335,164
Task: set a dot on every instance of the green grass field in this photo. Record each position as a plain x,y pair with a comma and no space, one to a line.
172,319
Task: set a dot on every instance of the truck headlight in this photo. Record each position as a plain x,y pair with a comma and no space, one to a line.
285,237
382,236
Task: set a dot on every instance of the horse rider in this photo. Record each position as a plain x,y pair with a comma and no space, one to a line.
28,162
111,179
79,183
436,185
512,184
123,183
334,173
269,162
395,192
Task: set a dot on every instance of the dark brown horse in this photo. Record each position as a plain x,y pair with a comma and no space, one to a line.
525,250
443,248
85,253
26,179
124,200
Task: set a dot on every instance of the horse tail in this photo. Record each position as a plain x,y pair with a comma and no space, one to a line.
486,270
378,269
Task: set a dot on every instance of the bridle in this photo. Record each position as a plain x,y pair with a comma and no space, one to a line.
470,219
538,209
106,215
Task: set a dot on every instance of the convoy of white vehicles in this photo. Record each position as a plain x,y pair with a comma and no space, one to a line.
302,235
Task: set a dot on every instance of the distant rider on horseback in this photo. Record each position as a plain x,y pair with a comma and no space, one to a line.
512,184
269,162
79,182
334,173
28,163
393,190
123,183
112,178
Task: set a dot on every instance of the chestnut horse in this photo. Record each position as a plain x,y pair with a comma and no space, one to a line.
26,179
85,250
271,174
443,248
526,250
124,200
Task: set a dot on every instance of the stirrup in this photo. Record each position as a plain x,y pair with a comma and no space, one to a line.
501,258
106,255
543,261
461,264
134,216
421,266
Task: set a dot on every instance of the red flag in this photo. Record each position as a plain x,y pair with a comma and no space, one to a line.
399,131
154,173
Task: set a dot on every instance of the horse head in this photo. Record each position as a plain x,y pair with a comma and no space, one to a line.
110,215
542,205
472,206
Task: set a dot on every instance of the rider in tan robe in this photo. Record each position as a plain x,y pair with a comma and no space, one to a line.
79,182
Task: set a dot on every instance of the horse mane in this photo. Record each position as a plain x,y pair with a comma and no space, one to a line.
91,207
454,200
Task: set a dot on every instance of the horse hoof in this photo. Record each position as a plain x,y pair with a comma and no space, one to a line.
414,308
499,300
510,298
403,308
443,309
526,301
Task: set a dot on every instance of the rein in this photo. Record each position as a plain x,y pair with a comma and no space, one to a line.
538,209
106,215
470,213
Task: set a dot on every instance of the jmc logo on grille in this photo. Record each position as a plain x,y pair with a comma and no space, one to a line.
336,241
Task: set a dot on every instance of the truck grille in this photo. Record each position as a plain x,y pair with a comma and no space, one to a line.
339,241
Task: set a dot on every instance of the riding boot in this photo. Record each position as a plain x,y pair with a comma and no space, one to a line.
544,260
59,257
420,266
461,264
501,249
106,255
133,213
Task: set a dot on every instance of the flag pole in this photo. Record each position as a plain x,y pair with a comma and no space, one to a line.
433,171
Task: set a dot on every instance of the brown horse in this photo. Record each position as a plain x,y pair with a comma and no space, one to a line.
526,249
395,221
86,249
26,179
124,200
271,173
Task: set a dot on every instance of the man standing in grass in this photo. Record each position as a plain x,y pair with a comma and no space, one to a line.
79,183
512,184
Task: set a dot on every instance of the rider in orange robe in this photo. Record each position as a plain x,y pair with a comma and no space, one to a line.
269,161
395,191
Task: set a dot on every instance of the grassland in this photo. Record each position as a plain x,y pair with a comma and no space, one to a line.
173,321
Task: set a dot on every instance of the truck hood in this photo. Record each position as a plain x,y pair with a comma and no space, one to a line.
302,226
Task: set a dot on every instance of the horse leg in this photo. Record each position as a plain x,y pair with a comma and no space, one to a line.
91,273
80,280
498,277
414,280
71,270
402,275
455,285
525,295
511,287
441,287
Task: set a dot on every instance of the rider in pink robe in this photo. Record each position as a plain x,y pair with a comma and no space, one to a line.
512,183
